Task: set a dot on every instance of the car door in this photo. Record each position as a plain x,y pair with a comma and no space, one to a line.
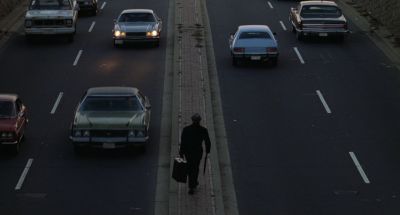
21,117
147,107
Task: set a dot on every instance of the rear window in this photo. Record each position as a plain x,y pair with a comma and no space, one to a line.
320,11
6,109
254,35
108,103
136,17
50,5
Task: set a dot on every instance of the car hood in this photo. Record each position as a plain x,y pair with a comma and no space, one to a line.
255,43
7,124
136,27
60,14
109,120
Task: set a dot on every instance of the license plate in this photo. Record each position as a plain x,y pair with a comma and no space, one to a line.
255,57
323,34
119,42
108,145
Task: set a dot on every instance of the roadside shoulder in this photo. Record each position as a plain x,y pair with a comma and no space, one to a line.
11,24
380,36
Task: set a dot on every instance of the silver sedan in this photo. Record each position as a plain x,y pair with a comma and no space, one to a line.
253,43
137,25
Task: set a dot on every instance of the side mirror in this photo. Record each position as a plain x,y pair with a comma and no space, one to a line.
148,107
21,114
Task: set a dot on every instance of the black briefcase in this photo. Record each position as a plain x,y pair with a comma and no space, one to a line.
179,171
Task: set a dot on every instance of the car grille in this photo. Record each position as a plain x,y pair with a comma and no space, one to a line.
109,133
136,34
49,23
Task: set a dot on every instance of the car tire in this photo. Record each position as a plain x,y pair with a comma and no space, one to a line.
235,62
70,38
79,150
14,149
299,36
274,62
94,10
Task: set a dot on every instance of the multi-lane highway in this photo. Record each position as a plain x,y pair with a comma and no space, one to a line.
317,134
51,75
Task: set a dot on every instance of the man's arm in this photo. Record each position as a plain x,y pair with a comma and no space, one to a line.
207,141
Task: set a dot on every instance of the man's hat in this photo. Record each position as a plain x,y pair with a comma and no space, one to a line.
196,117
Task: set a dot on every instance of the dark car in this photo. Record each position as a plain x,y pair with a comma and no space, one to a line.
88,6
13,120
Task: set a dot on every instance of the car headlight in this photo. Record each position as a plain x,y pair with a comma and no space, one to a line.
131,133
3,135
28,23
140,134
86,133
119,33
7,135
152,33
77,133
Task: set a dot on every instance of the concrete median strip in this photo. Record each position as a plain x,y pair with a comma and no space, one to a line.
191,85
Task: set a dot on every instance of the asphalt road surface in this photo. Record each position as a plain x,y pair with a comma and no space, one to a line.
319,133
51,78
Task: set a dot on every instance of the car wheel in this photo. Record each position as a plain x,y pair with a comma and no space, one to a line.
79,150
70,38
94,10
274,62
234,62
299,36
15,148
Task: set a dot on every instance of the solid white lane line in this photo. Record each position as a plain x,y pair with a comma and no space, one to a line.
57,102
77,57
103,5
321,97
299,55
92,26
24,173
270,5
283,25
359,168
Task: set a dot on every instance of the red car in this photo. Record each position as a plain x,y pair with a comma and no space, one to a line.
13,120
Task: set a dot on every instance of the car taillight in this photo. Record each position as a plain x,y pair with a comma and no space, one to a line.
345,26
272,50
238,49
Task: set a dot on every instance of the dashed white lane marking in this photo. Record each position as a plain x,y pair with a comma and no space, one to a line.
359,168
23,175
321,97
299,55
103,5
77,57
283,25
270,5
57,102
92,26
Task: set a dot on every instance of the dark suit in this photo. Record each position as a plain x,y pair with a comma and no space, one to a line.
191,147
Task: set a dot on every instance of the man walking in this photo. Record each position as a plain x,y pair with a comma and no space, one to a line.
191,147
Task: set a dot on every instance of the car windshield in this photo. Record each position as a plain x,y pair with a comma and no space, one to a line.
136,17
50,5
254,35
114,103
6,109
320,11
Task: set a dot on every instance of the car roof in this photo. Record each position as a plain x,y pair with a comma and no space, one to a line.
8,97
254,28
318,3
112,91
137,11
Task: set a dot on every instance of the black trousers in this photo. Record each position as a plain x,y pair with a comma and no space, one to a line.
193,161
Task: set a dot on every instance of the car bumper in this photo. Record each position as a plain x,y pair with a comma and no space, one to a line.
84,8
255,57
120,41
49,31
324,32
8,142
108,142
